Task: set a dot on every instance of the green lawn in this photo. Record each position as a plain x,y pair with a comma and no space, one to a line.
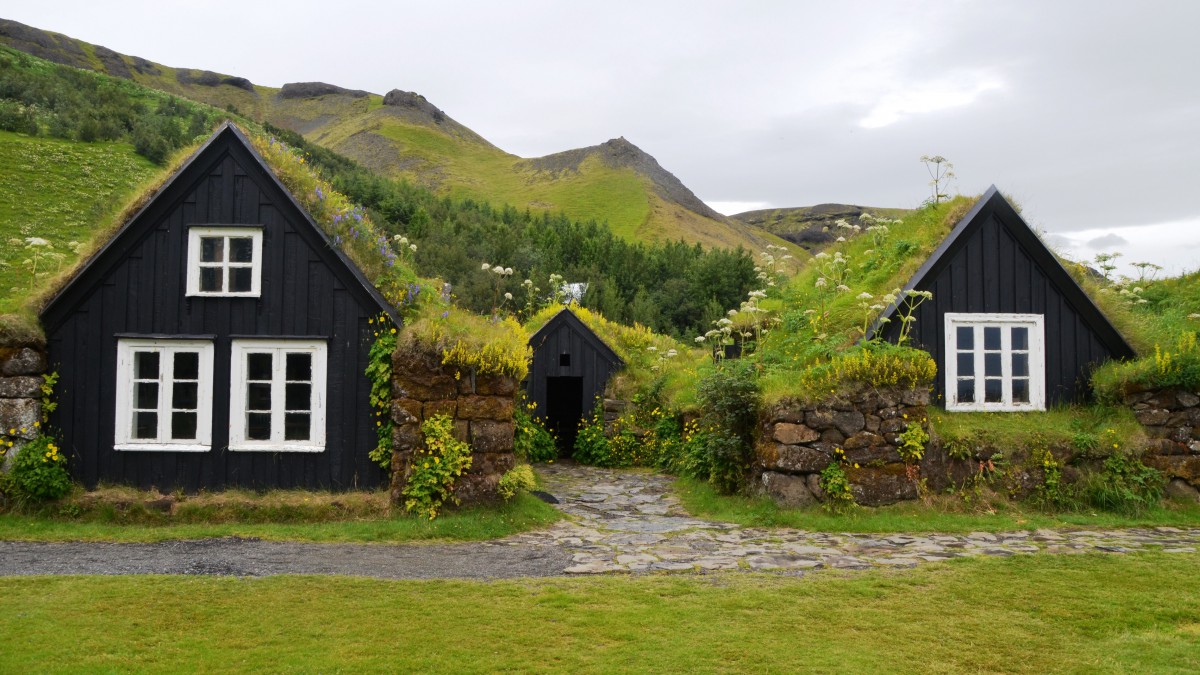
56,190
284,524
949,514
1084,613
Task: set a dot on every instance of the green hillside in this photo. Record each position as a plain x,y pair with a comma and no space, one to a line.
812,227
56,190
401,135
63,186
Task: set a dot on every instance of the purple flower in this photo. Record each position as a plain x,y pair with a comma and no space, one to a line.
337,239
320,195
445,314
337,218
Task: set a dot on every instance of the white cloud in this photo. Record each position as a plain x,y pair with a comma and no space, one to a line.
1172,245
916,99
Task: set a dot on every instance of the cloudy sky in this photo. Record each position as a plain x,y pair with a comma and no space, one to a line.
1087,113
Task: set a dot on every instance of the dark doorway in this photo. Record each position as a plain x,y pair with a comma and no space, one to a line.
564,410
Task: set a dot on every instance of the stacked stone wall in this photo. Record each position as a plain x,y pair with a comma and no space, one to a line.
1171,418
799,440
21,370
482,410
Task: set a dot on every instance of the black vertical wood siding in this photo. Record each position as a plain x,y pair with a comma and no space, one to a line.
997,265
138,288
591,359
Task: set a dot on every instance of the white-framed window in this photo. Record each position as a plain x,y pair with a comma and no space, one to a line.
164,394
277,395
224,261
995,362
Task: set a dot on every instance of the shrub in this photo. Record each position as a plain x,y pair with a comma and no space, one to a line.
519,480
730,399
436,467
531,441
39,471
591,445
1125,486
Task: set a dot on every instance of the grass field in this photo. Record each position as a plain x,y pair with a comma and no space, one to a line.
983,513
56,190
1085,613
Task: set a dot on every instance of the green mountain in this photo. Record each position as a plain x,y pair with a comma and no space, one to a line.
402,135
77,144
812,227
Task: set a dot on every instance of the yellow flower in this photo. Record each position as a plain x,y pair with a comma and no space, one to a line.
856,465
370,321
393,331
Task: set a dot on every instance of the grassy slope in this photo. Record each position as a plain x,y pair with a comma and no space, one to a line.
58,190
1085,613
464,165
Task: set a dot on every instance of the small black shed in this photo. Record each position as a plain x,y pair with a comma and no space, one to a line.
219,339
1008,326
571,366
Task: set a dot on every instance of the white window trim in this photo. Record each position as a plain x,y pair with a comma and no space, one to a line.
193,263
124,439
237,395
1037,361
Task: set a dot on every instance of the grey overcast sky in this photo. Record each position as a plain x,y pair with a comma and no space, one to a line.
1088,113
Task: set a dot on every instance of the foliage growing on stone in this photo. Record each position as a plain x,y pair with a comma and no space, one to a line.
913,440
730,400
435,468
465,341
531,441
517,480
39,472
836,487
379,373
874,364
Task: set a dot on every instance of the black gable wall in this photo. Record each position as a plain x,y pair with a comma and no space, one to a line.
999,266
136,287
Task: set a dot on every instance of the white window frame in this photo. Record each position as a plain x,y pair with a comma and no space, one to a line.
166,348
241,348
193,266
1037,360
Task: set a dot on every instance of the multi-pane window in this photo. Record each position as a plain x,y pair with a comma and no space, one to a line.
277,397
164,394
994,362
224,261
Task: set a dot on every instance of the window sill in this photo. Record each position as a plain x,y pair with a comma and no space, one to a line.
161,447
983,407
223,295
275,448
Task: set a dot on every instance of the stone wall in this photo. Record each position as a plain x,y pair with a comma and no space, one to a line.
797,441
1171,418
482,409
21,370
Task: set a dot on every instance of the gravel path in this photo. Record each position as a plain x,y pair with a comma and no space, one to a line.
620,522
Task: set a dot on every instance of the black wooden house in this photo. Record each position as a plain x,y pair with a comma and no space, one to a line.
218,340
571,366
1009,327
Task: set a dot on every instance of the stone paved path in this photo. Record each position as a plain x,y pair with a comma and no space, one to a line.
620,522
627,521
